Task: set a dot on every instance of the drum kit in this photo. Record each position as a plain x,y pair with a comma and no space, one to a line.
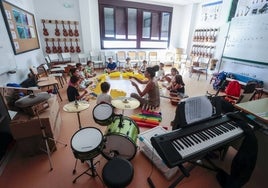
119,139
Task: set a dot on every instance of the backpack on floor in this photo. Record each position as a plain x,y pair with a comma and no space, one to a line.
233,89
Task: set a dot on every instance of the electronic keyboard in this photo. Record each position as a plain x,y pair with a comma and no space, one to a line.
193,141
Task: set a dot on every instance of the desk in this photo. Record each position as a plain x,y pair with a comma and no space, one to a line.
258,108
49,81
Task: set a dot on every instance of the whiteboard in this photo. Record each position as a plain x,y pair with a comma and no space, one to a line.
7,61
247,39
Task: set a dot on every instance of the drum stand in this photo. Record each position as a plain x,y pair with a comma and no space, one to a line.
92,167
45,138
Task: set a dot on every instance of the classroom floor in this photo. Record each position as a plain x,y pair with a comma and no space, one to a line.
33,171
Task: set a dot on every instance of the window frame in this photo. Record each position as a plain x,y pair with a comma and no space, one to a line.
140,7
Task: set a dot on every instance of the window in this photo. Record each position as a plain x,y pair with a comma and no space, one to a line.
125,24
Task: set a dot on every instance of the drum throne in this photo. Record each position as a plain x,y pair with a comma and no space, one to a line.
87,156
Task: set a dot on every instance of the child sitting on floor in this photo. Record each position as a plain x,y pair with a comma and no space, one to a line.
104,96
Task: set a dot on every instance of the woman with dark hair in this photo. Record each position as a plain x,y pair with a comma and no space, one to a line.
150,96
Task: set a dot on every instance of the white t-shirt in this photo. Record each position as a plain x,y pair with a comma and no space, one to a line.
104,97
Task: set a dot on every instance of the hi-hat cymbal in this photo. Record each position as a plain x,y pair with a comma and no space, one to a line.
32,99
124,103
77,106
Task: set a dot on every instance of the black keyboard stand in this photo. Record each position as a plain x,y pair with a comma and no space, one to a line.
193,164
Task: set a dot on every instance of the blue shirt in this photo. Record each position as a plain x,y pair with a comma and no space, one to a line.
111,66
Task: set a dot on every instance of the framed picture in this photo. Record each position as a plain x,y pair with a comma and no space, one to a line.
21,28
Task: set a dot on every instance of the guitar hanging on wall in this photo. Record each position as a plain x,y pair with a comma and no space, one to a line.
59,48
70,31
54,48
76,33
78,50
71,46
57,31
64,30
48,50
45,32
66,49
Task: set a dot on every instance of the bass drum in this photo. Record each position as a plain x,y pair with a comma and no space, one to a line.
120,138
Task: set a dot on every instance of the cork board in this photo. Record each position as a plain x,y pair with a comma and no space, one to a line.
21,28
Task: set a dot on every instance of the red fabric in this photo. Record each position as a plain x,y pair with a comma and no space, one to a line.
233,89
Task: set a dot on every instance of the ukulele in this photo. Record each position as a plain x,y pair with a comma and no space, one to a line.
45,32
57,31
76,33
70,30
65,32
59,48
66,49
48,50
71,47
78,50
54,48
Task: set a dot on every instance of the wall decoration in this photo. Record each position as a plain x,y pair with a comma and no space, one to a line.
21,28
211,12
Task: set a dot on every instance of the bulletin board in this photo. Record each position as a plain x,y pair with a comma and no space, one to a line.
21,28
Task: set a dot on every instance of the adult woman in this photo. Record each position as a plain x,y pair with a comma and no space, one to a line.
151,89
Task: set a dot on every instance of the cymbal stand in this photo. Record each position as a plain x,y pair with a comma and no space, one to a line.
45,138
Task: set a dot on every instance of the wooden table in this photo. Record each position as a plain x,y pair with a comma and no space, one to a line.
257,108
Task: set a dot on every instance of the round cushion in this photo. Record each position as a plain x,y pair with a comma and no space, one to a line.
117,173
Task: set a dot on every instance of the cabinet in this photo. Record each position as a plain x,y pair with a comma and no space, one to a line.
27,132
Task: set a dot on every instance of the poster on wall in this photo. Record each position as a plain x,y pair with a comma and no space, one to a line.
251,7
21,28
211,12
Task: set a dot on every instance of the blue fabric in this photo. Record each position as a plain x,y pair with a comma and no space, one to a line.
245,79
13,85
111,66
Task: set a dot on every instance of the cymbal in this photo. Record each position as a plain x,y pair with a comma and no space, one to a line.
77,106
32,99
124,103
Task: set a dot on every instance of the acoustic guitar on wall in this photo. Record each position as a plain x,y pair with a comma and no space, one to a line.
66,49
57,31
48,50
54,48
64,30
70,31
59,48
78,50
71,46
76,33
45,32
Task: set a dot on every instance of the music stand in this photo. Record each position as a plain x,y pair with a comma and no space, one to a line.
32,101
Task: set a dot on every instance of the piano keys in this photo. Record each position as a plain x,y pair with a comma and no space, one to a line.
190,142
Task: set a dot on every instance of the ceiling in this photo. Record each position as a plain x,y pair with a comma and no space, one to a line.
174,2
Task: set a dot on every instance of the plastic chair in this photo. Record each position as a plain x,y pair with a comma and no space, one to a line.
200,66
95,56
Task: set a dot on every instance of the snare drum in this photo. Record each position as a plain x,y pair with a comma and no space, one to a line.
87,143
121,140
103,114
